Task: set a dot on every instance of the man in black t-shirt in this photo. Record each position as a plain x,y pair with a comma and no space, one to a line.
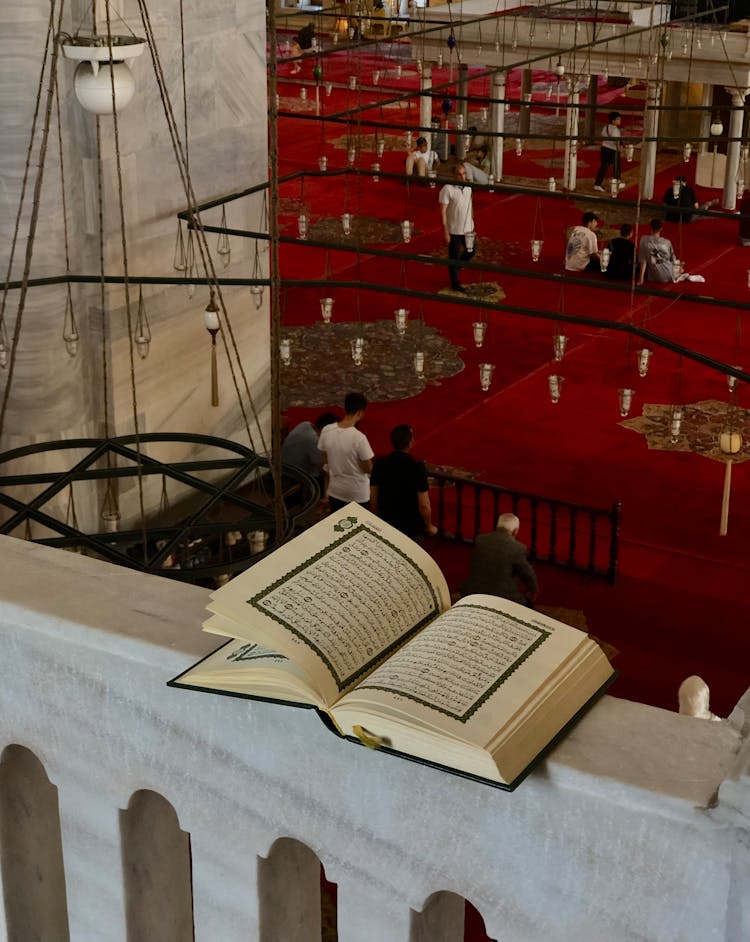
398,487
622,258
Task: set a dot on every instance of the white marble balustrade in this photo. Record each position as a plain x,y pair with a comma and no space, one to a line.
635,828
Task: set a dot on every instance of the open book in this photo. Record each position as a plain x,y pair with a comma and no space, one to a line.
353,618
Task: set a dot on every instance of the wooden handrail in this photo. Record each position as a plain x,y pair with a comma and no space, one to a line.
573,536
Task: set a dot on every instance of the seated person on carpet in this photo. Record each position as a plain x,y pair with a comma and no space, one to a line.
422,159
680,208
622,259
693,697
656,258
303,40
499,565
582,250
478,166
745,218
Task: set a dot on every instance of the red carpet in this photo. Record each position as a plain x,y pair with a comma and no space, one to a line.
678,604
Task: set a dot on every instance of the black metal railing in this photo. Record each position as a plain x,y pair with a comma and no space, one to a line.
562,533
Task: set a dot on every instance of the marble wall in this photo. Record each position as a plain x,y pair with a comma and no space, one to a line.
636,827
52,395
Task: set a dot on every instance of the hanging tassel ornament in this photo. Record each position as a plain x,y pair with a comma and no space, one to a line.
730,442
211,323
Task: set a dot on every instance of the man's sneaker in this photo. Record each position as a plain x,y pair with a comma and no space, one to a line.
599,188
621,185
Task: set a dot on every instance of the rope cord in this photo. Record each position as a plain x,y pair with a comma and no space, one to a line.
196,223
27,165
126,282
34,218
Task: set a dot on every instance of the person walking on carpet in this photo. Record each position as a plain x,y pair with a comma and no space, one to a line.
457,214
609,153
348,456
399,492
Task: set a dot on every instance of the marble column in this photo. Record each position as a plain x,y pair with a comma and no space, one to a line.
650,131
425,103
734,144
570,165
497,124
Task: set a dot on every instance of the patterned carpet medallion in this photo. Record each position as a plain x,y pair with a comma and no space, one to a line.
322,370
702,422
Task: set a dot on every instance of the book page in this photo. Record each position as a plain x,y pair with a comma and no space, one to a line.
346,592
251,669
485,652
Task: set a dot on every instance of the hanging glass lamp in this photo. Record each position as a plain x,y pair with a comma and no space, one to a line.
559,343
625,399
536,249
419,363
554,384
604,257
485,375
302,225
358,348
675,425
326,309
285,351
479,329
401,316
643,360
406,227
346,223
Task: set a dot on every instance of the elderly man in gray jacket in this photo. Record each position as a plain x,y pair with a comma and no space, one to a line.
499,565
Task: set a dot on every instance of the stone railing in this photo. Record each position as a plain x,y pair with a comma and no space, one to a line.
134,811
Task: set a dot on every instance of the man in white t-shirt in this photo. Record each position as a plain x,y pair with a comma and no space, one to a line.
582,250
348,456
609,154
421,160
457,213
